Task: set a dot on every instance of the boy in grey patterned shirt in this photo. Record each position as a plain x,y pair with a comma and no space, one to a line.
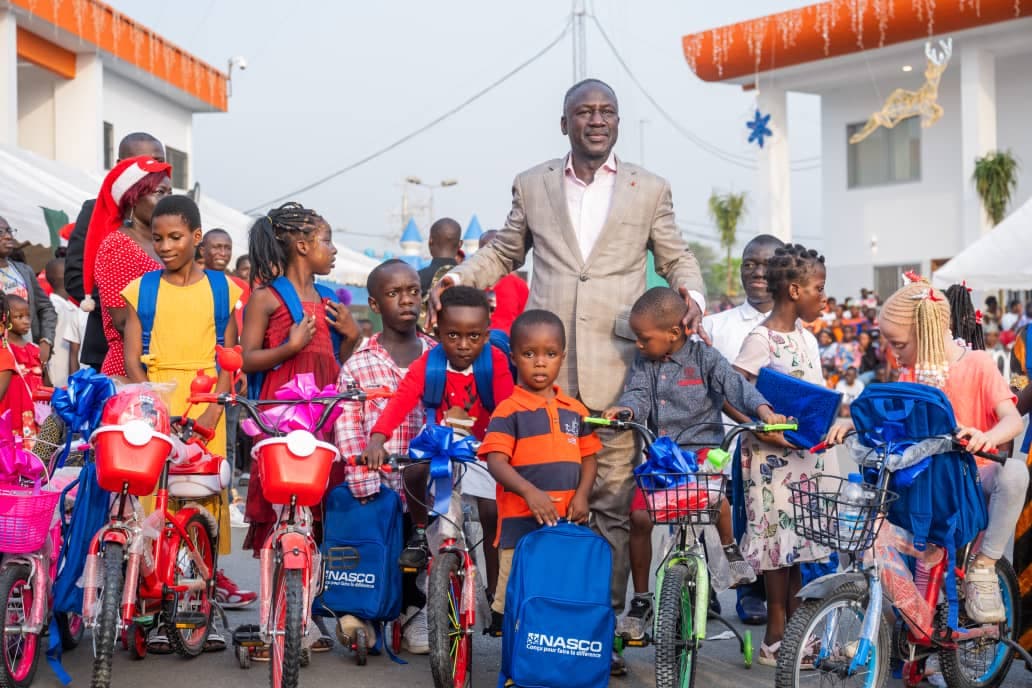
679,388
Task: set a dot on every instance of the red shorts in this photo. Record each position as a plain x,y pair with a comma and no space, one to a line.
638,502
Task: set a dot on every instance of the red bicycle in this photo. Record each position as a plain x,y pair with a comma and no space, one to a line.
159,570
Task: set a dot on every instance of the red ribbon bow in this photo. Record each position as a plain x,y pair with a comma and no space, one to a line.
978,317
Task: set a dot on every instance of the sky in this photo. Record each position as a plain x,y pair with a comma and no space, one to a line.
328,83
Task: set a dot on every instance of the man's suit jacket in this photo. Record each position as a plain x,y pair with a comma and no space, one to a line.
591,294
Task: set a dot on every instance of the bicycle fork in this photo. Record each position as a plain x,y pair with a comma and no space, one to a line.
700,612
868,632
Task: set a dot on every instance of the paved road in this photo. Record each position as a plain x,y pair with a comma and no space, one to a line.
720,662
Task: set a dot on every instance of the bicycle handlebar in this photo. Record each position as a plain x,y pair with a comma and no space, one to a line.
993,454
647,435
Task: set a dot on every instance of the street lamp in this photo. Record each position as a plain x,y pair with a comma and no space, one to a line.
240,63
445,183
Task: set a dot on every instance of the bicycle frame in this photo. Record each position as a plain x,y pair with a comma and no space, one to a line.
43,569
680,552
290,546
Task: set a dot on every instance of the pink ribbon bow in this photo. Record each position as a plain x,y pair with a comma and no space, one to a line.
290,417
15,462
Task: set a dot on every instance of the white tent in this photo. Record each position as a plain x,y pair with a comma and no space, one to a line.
1000,259
351,267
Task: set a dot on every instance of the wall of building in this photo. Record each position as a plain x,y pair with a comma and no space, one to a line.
1013,115
910,222
130,107
36,110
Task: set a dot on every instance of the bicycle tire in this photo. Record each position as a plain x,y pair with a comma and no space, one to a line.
190,642
802,625
16,588
675,653
71,628
106,631
361,647
451,646
953,669
285,648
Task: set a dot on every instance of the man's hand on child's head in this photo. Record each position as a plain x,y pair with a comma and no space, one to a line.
542,507
578,510
614,412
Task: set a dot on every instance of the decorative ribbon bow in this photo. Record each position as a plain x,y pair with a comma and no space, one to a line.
15,462
667,466
290,417
81,404
438,445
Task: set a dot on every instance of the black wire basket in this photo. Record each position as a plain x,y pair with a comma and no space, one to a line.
679,498
824,517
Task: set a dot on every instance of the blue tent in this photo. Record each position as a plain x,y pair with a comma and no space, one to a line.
473,231
411,233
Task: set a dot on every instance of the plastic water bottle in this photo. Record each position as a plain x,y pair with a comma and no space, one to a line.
852,502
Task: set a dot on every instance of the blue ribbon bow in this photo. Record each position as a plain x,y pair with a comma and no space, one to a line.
437,445
81,404
666,466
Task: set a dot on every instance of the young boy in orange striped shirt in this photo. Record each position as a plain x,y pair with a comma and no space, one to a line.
537,447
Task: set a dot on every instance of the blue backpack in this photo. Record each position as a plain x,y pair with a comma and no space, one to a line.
940,499
148,303
360,550
483,375
558,629
285,288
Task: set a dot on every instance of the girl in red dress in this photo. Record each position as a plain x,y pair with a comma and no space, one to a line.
295,242
28,370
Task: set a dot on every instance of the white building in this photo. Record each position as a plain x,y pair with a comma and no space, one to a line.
902,198
75,77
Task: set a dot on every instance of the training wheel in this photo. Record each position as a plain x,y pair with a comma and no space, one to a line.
243,656
396,628
361,647
747,649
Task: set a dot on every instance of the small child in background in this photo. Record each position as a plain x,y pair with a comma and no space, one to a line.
29,368
544,471
850,388
678,387
70,323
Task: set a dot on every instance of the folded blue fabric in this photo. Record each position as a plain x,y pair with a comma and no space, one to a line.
814,406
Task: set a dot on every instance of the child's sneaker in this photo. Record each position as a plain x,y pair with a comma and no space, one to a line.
495,629
741,572
416,551
636,622
414,636
229,595
982,598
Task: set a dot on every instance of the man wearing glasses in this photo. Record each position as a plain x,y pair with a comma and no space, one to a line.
18,278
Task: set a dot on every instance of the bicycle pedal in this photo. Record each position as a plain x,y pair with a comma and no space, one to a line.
190,620
635,643
409,569
144,620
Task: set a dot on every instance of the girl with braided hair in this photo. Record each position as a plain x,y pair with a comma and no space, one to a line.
795,276
965,321
293,242
915,323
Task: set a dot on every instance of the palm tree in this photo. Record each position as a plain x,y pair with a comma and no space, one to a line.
727,211
996,178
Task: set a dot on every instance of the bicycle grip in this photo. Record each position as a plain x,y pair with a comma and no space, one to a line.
204,398
207,433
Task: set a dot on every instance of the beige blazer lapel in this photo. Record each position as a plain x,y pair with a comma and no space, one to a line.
557,197
623,198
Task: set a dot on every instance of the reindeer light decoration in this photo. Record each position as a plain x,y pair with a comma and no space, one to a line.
902,104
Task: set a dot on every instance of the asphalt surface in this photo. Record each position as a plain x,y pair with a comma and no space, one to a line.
720,660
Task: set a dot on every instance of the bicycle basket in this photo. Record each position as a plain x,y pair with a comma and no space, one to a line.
26,514
296,466
823,516
130,455
680,498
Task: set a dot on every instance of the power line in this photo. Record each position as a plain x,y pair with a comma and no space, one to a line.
407,137
726,156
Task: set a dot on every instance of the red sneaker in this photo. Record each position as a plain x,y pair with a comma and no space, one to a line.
229,596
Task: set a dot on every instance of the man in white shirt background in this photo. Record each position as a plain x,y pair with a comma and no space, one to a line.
728,330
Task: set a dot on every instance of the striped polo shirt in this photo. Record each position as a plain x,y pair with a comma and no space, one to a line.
544,440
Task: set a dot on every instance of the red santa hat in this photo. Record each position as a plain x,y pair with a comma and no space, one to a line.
106,216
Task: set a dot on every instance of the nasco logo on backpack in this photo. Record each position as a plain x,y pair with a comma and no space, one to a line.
555,644
351,579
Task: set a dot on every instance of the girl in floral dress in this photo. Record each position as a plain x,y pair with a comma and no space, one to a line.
795,275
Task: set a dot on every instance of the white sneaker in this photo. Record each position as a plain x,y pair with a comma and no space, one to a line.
982,598
414,636
236,516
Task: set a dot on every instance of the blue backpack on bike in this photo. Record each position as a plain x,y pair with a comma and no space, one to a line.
940,499
559,621
360,550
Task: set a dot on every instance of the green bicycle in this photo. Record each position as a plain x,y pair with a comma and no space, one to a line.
689,503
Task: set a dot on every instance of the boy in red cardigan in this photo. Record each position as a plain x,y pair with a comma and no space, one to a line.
463,325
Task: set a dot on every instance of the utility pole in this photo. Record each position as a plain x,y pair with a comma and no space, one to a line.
580,45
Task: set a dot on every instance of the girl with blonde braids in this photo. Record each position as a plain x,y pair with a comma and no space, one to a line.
915,322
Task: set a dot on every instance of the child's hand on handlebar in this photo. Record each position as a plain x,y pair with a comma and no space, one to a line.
838,433
578,510
542,507
618,413
375,455
769,417
975,440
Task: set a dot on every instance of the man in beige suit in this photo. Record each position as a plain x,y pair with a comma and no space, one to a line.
591,219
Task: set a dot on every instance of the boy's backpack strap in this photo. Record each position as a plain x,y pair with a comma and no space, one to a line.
483,376
433,385
147,304
223,309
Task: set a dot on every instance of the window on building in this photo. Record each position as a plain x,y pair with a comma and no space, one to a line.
109,145
887,156
889,278
180,163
